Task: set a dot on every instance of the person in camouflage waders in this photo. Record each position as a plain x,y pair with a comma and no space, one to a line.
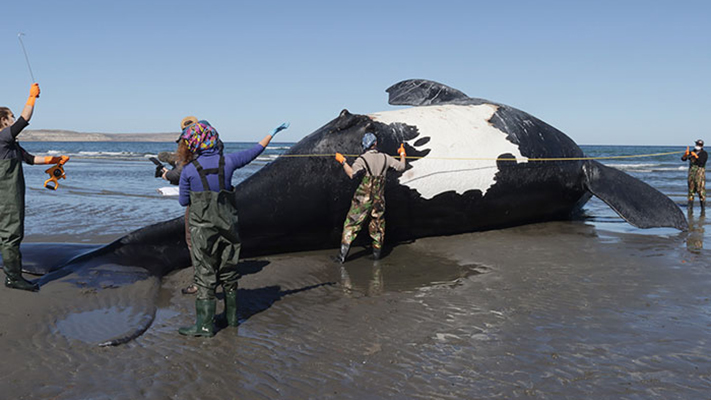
697,174
369,198
12,190
205,186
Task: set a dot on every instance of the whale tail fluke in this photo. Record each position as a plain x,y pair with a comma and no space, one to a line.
635,201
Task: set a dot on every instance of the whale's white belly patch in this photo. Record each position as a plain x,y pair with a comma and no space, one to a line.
463,147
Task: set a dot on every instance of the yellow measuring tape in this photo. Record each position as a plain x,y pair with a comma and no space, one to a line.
498,159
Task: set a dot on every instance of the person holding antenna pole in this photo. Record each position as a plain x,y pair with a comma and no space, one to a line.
12,190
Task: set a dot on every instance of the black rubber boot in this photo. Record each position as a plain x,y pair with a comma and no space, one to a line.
231,308
21,283
703,207
341,257
376,253
204,326
14,279
690,206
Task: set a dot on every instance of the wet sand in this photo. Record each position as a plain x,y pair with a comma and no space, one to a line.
556,310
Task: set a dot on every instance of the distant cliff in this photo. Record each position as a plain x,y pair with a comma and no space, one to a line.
52,135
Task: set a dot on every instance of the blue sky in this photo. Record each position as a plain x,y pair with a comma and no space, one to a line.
603,72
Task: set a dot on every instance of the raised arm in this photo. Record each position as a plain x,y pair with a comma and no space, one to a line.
245,157
30,105
265,142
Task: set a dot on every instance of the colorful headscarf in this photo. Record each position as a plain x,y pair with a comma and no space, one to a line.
200,136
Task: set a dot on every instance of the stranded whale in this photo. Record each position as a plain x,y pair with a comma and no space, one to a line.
476,169
478,165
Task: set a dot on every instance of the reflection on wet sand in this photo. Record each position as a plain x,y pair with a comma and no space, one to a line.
367,277
695,238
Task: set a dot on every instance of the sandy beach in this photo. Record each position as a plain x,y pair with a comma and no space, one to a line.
555,310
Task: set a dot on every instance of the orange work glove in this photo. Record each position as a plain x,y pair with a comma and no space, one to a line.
687,152
34,94
56,160
401,150
693,154
340,158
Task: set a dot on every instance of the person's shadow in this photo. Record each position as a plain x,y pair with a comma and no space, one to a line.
253,301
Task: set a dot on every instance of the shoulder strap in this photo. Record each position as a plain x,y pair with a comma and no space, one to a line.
385,164
367,166
220,171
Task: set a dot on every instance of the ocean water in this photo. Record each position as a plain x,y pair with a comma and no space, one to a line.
110,188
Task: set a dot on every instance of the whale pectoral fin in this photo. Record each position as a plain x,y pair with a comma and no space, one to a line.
421,92
635,201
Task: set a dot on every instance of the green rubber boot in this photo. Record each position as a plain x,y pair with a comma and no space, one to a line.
231,308
204,326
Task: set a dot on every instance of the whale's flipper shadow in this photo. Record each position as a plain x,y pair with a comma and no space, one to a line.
104,294
105,303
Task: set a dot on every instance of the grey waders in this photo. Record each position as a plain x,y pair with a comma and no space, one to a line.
12,223
215,250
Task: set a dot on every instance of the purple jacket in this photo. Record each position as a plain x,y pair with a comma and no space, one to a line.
190,179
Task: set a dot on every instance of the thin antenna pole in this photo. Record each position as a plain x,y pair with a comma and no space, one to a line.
19,37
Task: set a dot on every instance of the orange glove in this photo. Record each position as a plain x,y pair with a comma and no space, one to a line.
340,158
687,152
401,150
34,94
693,154
56,160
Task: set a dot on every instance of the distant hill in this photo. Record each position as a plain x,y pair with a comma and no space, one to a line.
55,135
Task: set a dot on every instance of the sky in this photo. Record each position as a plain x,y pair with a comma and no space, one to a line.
603,72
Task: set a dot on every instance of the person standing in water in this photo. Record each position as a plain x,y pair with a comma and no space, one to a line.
697,174
369,198
12,190
205,186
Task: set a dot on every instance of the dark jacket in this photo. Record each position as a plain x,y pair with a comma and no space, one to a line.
699,161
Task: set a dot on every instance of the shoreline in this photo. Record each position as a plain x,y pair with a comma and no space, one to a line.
56,135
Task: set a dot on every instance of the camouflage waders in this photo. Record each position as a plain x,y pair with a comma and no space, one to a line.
369,200
697,182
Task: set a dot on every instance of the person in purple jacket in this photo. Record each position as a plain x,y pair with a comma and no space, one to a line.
205,186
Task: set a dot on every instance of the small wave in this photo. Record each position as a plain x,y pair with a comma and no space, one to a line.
106,153
267,157
670,169
635,166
